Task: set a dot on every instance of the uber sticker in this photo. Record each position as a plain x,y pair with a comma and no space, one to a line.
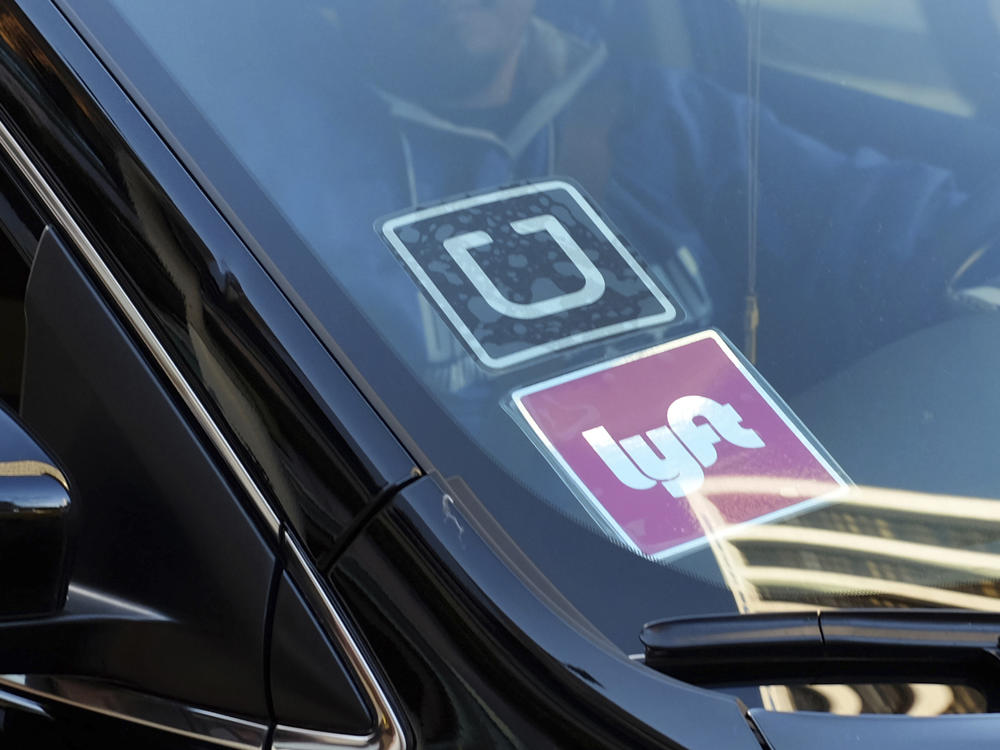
677,442
527,271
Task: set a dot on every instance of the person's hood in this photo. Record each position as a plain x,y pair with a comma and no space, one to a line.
560,64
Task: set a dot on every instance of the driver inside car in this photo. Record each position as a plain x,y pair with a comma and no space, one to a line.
479,94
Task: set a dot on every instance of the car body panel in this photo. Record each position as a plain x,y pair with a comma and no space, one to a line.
467,675
161,237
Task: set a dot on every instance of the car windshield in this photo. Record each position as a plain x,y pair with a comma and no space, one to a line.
697,298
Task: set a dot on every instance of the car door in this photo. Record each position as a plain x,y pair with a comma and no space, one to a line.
178,388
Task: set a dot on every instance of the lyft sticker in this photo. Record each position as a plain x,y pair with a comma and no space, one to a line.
676,443
527,271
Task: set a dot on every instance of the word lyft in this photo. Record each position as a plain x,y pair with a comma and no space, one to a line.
684,447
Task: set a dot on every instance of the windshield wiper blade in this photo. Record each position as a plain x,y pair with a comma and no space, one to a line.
830,646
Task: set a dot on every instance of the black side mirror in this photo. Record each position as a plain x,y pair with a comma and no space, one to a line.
35,519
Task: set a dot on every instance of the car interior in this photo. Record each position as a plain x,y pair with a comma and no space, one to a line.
902,413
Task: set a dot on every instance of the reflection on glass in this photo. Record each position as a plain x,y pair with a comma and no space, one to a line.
874,547
914,699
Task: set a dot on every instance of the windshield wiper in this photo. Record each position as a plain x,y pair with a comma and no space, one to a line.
834,646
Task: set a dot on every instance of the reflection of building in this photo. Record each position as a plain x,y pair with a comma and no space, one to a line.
872,548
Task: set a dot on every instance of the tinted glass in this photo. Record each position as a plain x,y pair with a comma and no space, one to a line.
697,297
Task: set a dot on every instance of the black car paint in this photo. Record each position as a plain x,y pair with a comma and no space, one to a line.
148,493
303,689
427,578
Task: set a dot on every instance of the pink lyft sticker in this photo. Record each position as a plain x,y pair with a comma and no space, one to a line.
677,442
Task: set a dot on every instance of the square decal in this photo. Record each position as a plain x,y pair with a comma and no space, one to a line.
677,442
527,271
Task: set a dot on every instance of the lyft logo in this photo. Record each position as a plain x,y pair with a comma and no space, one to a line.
637,437
676,454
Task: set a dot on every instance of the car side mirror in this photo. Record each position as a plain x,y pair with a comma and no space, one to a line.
35,520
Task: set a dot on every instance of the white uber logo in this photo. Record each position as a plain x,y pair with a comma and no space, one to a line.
593,282
527,271
683,448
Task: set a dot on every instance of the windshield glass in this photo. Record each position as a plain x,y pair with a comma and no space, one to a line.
698,298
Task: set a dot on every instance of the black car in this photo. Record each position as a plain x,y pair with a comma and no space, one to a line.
499,373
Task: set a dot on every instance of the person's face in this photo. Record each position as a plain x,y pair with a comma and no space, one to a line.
440,48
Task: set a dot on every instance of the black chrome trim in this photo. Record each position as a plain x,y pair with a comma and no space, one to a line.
139,326
389,734
11,700
292,738
157,713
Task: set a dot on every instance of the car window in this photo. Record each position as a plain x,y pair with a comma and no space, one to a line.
696,297
799,40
